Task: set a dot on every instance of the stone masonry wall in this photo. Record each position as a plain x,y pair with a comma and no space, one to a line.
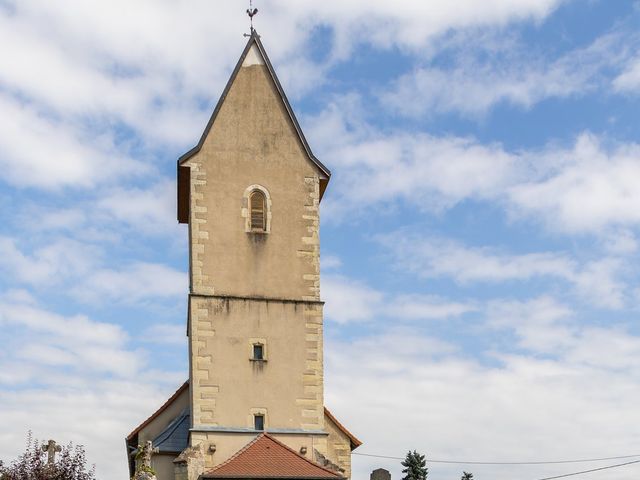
227,384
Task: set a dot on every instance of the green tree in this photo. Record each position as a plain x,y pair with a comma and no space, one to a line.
415,466
466,476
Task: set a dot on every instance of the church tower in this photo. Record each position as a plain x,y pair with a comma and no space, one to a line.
250,193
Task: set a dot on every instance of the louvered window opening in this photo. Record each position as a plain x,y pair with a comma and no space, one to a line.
258,212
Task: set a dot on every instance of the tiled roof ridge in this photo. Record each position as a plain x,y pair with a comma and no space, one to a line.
159,410
235,455
277,442
300,455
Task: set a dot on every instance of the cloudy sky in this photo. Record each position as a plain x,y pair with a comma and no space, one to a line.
480,234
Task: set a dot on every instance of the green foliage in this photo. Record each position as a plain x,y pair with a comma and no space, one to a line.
415,466
144,468
32,464
466,476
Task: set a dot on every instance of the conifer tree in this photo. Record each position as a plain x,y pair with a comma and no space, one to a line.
466,476
415,466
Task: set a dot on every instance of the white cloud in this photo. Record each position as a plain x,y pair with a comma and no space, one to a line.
629,80
330,262
79,267
405,22
79,64
349,300
58,261
425,307
165,333
542,325
428,171
69,331
133,283
597,281
40,151
543,400
151,209
620,242
61,373
439,257
483,76
589,187
112,408
60,219
585,189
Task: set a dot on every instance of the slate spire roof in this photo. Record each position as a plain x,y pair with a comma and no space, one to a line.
266,458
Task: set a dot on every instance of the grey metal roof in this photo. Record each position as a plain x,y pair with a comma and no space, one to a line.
174,438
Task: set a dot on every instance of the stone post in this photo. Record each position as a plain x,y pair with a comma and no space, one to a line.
190,463
380,474
143,463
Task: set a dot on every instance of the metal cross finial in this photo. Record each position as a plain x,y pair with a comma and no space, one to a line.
51,448
251,12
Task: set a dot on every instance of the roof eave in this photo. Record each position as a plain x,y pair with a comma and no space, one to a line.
355,442
162,408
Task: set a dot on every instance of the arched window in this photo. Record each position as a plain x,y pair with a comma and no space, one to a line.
258,211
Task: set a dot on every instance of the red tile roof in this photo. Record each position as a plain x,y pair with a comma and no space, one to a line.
266,457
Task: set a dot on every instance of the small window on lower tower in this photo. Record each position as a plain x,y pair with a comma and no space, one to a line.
258,351
258,422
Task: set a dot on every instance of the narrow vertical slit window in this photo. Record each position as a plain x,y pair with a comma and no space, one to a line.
258,422
258,209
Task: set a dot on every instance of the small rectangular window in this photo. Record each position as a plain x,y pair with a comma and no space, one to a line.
258,422
258,352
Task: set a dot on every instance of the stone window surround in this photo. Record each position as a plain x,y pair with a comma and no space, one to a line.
246,213
251,418
258,341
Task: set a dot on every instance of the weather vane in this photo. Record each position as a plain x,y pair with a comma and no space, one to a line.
251,12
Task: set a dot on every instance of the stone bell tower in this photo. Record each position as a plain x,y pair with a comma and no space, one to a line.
250,193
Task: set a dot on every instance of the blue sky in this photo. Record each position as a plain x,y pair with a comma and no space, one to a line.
479,234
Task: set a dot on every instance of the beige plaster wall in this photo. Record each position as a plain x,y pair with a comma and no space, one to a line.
164,467
253,142
227,387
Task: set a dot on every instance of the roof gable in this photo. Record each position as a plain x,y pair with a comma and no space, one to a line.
266,457
255,54
155,414
353,440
